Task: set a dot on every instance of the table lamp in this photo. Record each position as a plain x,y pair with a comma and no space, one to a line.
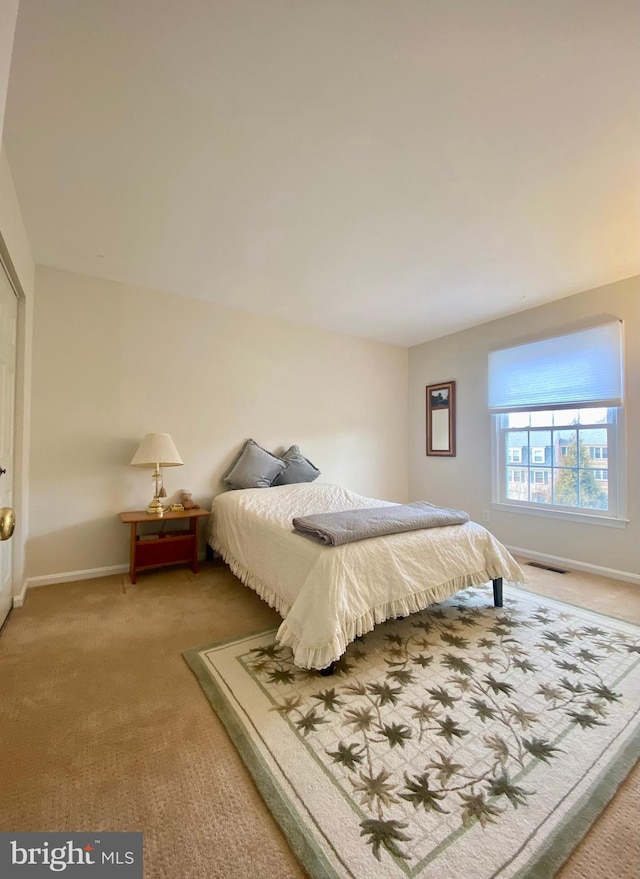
157,450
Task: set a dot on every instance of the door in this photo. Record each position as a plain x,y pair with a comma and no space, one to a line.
8,328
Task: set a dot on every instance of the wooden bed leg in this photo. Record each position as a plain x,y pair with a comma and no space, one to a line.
329,670
208,553
497,591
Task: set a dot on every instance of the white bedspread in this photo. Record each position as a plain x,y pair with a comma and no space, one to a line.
329,595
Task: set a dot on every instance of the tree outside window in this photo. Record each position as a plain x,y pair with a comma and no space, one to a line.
575,484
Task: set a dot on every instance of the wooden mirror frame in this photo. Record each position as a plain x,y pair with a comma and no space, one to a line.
441,419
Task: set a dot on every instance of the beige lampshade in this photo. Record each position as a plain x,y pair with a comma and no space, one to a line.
157,448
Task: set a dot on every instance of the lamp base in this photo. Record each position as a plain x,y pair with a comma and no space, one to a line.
155,508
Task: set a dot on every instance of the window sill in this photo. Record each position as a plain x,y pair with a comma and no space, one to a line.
578,518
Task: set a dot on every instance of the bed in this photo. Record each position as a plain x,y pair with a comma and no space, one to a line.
329,596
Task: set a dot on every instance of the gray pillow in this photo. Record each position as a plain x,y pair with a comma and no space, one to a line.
254,467
298,468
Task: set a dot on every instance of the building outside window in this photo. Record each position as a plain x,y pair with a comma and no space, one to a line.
540,476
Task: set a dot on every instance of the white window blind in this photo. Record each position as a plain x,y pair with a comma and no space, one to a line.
578,370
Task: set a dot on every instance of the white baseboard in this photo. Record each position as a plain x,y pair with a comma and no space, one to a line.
18,600
70,576
558,562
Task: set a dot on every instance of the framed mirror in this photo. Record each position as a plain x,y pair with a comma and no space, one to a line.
441,419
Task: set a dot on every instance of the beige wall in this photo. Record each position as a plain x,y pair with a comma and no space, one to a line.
465,481
112,362
8,17
14,243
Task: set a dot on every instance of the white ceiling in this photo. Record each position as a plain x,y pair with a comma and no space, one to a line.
398,169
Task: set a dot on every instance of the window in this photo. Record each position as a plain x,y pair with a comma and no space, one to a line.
540,476
557,408
562,440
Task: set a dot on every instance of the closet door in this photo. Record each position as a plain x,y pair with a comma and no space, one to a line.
8,327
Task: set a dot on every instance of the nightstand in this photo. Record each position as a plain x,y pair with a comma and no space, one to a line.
164,546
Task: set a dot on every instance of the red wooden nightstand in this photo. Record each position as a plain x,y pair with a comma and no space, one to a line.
163,547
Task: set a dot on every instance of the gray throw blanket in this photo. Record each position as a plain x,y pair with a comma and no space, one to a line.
333,529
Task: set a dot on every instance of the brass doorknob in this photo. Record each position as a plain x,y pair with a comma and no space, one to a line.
7,522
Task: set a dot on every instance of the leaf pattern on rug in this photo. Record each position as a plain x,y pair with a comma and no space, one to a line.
436,724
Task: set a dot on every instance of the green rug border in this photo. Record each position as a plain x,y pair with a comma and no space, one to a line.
555,851
574,826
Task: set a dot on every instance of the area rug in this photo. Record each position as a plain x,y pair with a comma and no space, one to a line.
465,741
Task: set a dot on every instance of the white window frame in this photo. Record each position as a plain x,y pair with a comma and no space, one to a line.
614,517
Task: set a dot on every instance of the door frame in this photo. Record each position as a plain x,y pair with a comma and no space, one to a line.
22,434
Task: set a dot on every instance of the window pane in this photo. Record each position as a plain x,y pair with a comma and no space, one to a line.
540,447
594,436
593,416
565,487
593,446
541,419
517,488
518,419
541,485
566,416
592,495
565,448
517,442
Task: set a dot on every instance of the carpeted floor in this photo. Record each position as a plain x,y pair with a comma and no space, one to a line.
103,726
